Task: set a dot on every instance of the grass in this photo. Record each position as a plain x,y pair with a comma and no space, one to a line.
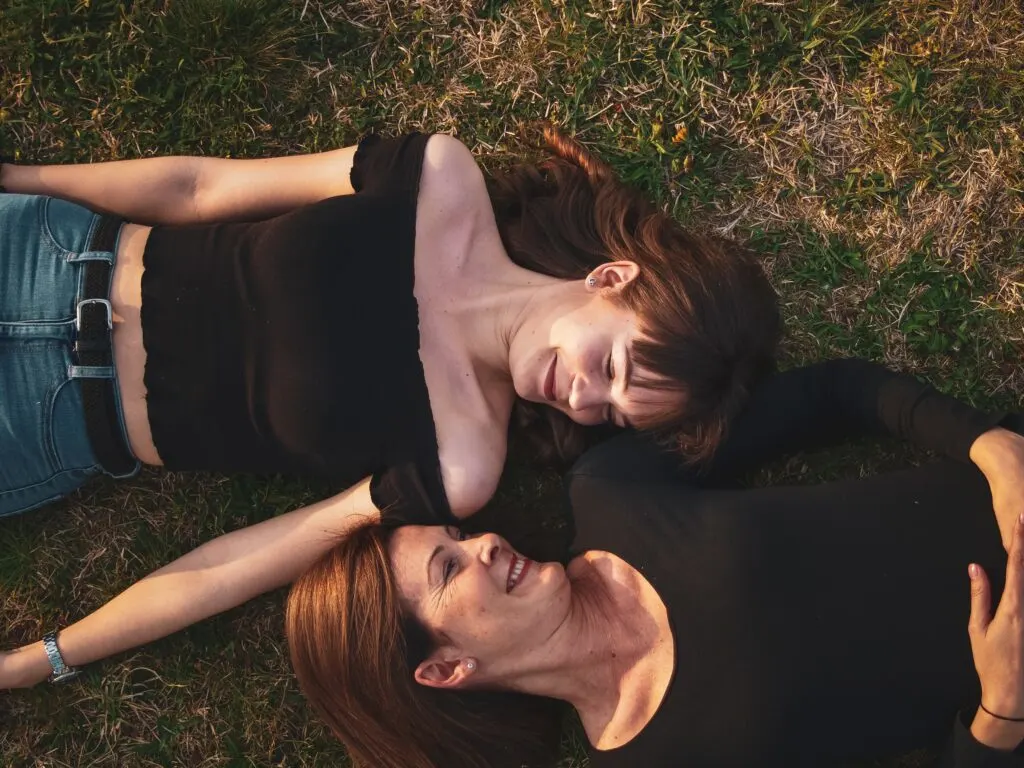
871,150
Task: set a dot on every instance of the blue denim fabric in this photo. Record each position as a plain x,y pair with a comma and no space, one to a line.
44,449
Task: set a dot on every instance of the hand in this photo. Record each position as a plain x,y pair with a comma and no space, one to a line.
999,454
997,642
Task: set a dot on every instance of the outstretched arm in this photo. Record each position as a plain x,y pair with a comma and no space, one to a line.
838,400
826,403
189,190
214,577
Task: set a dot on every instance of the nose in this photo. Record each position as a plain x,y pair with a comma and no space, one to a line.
488,546
584,394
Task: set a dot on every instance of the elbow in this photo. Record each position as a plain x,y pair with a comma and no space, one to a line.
191,191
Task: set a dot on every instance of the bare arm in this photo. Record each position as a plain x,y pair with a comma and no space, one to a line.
189,190
217,576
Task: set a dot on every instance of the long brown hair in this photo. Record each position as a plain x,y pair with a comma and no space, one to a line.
708,312
354,648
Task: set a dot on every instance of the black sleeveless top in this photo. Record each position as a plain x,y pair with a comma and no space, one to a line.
292,344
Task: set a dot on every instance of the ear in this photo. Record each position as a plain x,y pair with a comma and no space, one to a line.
613,274
438,672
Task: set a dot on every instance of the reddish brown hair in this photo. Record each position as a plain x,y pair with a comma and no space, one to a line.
708,311
354,648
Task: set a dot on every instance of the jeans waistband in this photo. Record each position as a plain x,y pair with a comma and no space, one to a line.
94,355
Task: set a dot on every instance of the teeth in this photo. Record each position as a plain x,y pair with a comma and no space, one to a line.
517,571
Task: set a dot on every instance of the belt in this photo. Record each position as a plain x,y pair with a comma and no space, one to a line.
94,321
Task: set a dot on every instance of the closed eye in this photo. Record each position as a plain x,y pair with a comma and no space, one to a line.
451,565
448,571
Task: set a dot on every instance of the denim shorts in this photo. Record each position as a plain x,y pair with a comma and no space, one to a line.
44,447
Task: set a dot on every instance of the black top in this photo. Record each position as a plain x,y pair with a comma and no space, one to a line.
292,344
814,624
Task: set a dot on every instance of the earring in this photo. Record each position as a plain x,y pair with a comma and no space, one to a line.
470,665
591,281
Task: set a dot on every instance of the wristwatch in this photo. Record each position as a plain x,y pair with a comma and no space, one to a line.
62,673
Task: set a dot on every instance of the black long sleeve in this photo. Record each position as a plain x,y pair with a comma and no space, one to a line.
819,405
837,400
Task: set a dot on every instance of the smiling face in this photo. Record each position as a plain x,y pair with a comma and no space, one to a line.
576,355
477,596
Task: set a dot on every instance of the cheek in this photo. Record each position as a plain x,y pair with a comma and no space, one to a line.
470,611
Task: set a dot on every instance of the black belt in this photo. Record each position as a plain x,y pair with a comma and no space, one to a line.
94,322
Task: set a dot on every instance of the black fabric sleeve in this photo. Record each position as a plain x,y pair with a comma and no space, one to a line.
826,403
388,165
805,409
809,407
964,751
406,494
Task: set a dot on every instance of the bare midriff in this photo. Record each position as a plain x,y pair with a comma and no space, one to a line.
129,351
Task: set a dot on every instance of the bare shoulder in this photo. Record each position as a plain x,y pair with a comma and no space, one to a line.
611,568
471,470
451,182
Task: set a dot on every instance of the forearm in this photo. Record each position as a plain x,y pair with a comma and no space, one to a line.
189,190
156,190
827,403
217,576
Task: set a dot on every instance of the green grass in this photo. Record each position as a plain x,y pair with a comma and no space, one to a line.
871,150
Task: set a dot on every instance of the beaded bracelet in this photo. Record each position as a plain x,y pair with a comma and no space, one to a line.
1000,717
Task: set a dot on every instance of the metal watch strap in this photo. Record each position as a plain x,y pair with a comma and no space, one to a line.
61,671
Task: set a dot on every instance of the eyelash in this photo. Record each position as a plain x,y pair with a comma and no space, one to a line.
450,565
611,377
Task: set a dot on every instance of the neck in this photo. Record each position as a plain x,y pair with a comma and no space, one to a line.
500,305
589,654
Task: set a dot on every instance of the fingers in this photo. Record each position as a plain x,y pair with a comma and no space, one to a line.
981,602
1013,593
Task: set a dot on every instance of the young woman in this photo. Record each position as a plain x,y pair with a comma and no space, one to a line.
367,317
799,626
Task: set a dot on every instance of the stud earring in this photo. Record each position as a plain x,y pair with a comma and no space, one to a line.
591,281
471,665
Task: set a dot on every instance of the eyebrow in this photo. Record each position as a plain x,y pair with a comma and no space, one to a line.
437,550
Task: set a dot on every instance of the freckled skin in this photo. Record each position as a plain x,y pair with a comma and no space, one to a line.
474,611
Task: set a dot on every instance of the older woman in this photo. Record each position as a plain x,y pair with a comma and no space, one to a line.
691,626
369,315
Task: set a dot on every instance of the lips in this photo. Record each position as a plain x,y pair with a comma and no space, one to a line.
549,380
517,568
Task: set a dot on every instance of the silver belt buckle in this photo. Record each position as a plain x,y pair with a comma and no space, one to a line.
104,302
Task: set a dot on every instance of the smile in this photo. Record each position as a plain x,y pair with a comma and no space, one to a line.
549,380
517,568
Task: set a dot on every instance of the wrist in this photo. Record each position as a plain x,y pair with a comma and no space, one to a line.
995,733
29,665
5,174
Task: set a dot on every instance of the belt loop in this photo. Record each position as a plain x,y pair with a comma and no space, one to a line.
90,371
106,256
